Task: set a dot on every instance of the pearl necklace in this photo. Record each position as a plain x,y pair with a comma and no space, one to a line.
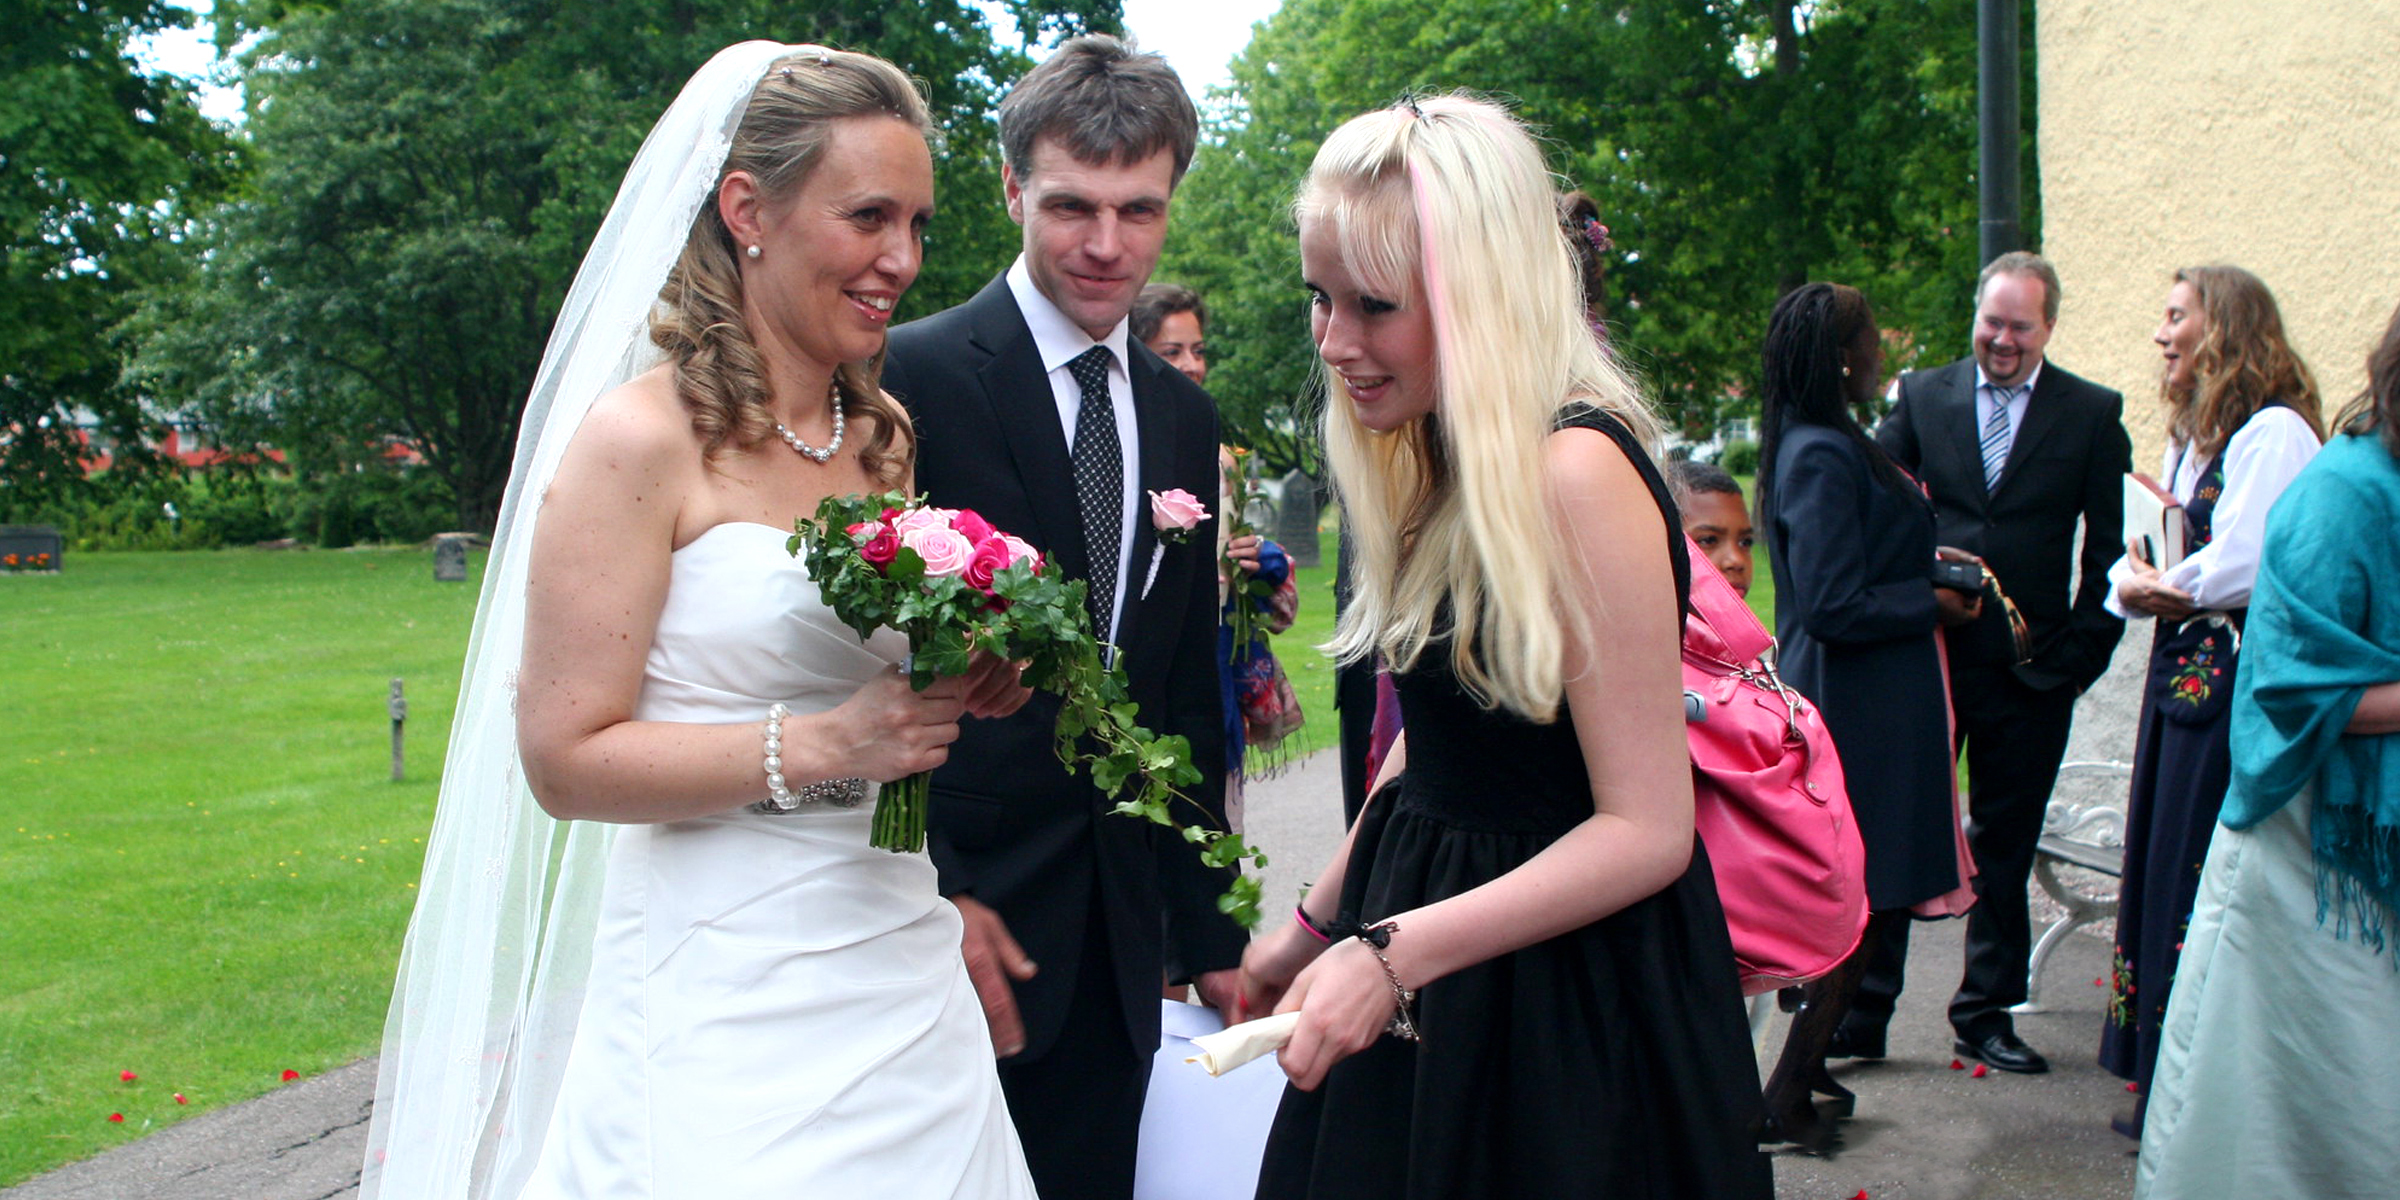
813,453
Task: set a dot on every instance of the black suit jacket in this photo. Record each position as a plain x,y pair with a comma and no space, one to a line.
2068,460
1007,823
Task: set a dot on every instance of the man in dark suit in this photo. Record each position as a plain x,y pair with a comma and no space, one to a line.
1034,407
2015,451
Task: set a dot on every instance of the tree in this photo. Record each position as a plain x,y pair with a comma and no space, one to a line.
429,172
97,160
1737,148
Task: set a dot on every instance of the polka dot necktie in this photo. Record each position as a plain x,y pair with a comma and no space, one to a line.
1099,463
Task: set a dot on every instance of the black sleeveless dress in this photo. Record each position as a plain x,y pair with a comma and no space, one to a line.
1612,1061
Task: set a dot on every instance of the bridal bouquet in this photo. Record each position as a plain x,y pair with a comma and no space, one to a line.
955,586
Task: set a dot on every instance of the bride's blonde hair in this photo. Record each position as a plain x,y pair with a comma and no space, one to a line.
1449,515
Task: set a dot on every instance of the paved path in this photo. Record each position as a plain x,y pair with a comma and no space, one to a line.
1923,1132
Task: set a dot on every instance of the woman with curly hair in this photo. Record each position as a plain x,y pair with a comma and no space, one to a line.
2242,420
2278,1074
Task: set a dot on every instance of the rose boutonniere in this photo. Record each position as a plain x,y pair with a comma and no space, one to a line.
957,586
1174,514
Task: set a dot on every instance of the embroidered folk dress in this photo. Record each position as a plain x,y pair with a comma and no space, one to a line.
2181,762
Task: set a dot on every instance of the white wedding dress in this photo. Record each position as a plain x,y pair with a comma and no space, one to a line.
775,1009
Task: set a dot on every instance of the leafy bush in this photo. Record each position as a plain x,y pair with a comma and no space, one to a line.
1739,458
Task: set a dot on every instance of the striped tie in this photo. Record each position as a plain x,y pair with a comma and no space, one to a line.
1995,435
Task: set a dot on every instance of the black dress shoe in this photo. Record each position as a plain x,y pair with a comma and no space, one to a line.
1851,1041
2005,1051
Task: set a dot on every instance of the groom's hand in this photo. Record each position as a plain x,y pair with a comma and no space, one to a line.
1222,991
993,960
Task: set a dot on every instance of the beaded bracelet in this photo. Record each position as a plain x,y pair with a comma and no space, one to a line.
782,798
779,797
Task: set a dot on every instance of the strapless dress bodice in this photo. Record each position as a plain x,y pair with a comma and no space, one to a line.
744,627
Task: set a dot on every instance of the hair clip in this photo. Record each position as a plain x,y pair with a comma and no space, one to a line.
786,73
824,59
1597,234
1411,104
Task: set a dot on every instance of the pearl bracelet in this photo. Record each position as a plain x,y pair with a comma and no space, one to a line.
781,798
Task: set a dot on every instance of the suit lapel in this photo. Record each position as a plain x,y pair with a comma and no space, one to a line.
1026,411
1959,433
1154,417
2041,415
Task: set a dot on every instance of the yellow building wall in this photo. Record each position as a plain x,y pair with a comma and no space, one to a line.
2263,133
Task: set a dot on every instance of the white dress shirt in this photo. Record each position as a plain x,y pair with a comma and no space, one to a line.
1060,342
1986,396
2260,461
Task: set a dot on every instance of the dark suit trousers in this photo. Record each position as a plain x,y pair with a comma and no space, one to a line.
2013,737
1078,1108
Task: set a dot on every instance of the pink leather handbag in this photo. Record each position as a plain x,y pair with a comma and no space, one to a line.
1768,797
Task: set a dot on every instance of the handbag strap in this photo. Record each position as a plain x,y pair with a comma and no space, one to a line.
1727,615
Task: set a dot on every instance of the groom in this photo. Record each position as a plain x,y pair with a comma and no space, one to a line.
1034,407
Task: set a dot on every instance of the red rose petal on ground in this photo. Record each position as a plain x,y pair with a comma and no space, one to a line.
127,1076
180,1100
1981,1070
116,1118
1956,1065
2100,983
290,1074
1862,1195
2133,1087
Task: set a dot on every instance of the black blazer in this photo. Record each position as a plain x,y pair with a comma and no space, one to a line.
1007,824
2069,460
1855,616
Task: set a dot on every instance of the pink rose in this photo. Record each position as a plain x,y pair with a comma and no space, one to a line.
927,517
1175,513
880,550
1022,551
971,526
944,551
864,532
990,555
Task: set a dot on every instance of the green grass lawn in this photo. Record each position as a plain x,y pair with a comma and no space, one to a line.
207,866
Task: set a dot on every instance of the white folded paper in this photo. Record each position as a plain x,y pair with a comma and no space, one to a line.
1223,1051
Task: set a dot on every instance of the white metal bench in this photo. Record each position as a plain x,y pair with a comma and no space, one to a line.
2084,827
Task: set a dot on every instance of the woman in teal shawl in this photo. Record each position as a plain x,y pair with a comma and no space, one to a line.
2280,1069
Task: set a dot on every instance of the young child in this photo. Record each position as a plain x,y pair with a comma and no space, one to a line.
1714,518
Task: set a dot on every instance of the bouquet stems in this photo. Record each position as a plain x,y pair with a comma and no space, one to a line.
900,814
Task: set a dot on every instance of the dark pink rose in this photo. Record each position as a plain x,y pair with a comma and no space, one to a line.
990,555
972,526
881,549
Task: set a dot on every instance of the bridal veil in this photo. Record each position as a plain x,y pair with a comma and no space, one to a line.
492,974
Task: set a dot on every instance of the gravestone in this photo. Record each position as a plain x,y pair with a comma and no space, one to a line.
450,557
31,550
1296,520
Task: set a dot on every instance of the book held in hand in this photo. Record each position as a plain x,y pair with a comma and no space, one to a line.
2154,521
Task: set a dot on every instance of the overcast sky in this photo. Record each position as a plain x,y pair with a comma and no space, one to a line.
1199,38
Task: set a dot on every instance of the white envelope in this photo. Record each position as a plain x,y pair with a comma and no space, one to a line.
1202,1135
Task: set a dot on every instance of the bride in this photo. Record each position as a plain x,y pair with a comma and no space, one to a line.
685,972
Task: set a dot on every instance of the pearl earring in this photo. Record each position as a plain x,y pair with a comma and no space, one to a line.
754,254
1845,370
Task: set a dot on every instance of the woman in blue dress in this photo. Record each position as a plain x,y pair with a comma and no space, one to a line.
2278,1074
